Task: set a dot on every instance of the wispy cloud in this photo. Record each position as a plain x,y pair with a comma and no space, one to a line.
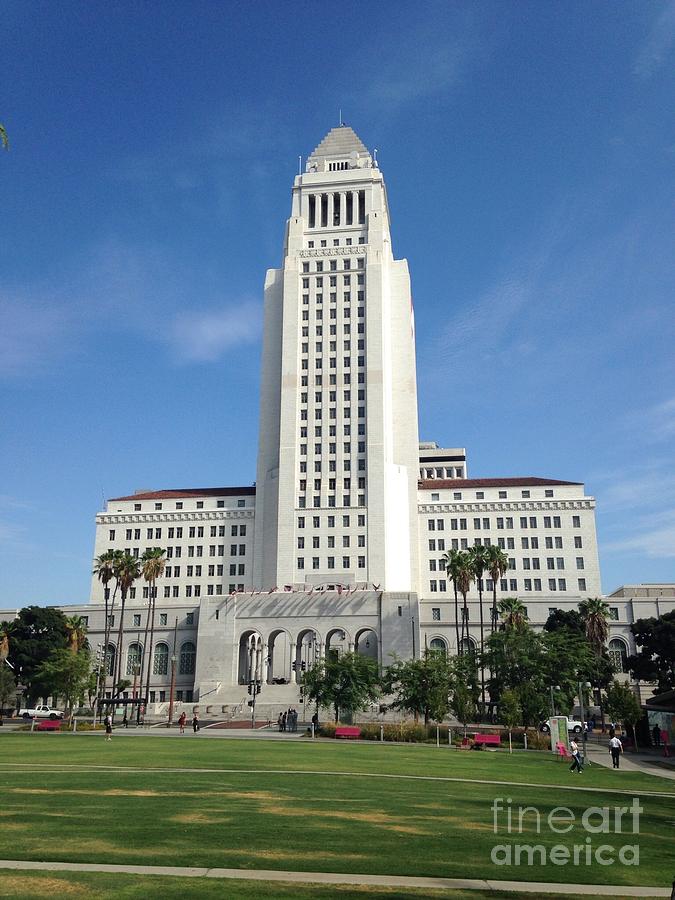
32,329
655,541
660,40
205,336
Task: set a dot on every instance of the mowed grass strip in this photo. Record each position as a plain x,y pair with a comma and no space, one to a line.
292,755
80,886
310,822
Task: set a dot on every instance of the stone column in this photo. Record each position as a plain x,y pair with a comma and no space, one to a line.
329,219
343,208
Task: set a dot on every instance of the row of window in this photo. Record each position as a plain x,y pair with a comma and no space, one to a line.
187,658
526,543
330,562
333,264
134,534
330,521
502,522
511,584
330,541
136,619
220,504
528,562
336,242
332,281
480,495
618,649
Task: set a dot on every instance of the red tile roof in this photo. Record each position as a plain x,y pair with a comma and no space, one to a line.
429,484
178,493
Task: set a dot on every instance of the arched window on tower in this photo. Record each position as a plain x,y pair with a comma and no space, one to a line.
188,657
160,664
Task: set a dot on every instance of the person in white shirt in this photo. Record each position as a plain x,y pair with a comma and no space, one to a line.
616,749
577,763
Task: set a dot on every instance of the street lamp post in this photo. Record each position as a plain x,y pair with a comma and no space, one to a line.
553,689
583,686
173,675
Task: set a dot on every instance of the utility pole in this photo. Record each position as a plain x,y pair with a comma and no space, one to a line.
100,660
173,674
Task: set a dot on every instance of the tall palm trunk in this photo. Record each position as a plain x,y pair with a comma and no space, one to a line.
120,634
454,585
152,641
465,622
493,627
482,640
144,650
106,640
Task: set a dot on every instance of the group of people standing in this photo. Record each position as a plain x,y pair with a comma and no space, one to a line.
288,720
182,719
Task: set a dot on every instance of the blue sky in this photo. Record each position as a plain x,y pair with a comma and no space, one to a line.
528,150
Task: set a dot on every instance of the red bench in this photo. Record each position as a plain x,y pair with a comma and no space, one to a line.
481,739
351,732
49,725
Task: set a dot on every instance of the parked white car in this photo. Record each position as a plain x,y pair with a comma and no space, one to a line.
574,726
41,712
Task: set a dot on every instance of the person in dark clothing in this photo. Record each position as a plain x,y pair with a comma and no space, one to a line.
656,736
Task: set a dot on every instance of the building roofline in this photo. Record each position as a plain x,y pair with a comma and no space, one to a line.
177,493
429,484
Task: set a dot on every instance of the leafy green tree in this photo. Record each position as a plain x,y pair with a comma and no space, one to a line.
420,686
565,619
655,659
348,683
7,688
516,659
497,564
622,706
4,139
510,712
36,633
67,675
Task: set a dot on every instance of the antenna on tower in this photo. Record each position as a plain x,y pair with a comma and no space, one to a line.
300,165
341,122
375,155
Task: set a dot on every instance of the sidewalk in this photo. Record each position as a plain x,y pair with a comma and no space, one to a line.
632,762
394,881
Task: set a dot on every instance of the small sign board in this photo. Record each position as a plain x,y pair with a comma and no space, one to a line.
559,733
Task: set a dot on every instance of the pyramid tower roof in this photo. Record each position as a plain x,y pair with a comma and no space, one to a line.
340,141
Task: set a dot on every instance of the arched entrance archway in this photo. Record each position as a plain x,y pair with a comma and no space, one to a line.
250,657
337,643
307,651
279,657
366,643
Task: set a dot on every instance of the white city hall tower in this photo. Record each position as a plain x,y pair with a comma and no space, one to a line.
338,458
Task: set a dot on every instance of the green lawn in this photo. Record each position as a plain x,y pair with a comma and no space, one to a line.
285,805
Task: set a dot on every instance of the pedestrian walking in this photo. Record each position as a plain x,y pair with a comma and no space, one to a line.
195,723
577,762
616,749
280,722
656,736
182,719
283,721
108,727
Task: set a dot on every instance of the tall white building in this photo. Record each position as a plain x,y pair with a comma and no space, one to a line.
339,544
338,447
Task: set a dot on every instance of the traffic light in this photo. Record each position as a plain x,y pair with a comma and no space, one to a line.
250,687
303,665
258,688
295,665
249,702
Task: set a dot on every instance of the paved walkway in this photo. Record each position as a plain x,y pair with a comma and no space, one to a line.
323,878
632,762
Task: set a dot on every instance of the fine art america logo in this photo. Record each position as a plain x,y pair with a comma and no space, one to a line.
587,844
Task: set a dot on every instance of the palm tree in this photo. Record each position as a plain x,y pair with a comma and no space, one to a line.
152,563
6,629
478,556
513,613
76,627
595,613
104,569
450,562
497,565
127,569
4,139
464,578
